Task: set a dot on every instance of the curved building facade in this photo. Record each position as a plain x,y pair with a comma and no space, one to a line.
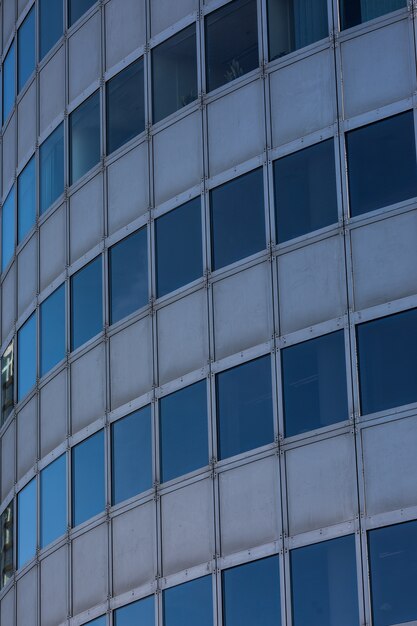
208,313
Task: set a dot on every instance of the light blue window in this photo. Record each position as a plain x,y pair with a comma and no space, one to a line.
141,613
52,330
26,357
9,82
100,621
88,484
7,230
26,49
51,24
190,604
26,523
53,501
26,200
86,303
84,131
51,168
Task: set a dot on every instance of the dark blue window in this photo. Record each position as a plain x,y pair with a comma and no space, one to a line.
183,431
141,613
52,330
53,501
26,49
189,604
86,303
179,258
174,73
251,594
377,177
51,165
51,17
88,491
387,363
354,12
26,358
7,229
131,455
84,134
305,191
237,219
244,407
9,82
393,565
125,106
26,523
231,42
129,275
26,200
314,384
324,584
77,8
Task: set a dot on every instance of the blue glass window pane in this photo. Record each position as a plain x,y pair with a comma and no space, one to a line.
305,191
377,177
237,219
387,362
51,20
189,604
244,407
129,275
125,106
26,357
86,303
354,12
26,200
231,42
77,8
324,584
53,501
131,455
393,565
6,545
174,73
51,164
84,130
100,621
53,330
314,384
179,257
294,24
26,523
9,84
7,383
7,230
88,487
183,431
251,594
26,49
140,613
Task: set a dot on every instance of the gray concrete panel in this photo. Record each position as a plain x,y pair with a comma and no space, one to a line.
27,274
84,56
89,568
8,301
52,246
27,600
86,217
9,152
27,437
53,413
164,13
88,388
7,460
125,28
53,593
52,89
26,130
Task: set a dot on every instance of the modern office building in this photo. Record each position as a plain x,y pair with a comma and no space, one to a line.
208,316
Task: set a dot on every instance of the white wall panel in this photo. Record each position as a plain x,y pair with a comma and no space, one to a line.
164,13
26,130
89,569
53,592
51,93
7,610
8,301
84,56
27,437
125,28
9,16
7,460
52,248
86,217
88,385
53,413
27,600
27,274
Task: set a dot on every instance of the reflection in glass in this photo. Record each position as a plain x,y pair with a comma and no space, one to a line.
183,431
26,523
131,455
53,501
9,83
354,12
174,73
251,594
52,330
7,382
237,219
324,584
26,49
26,200
231,42
77,8
387,365
100,621
244,407
305,191
294,24
189,604
6,545
26,357
138,613
393,565
86,303
51,16
84,133
128,261
88,491
377,177
314,384
179,256
7,230
125,106
51,165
